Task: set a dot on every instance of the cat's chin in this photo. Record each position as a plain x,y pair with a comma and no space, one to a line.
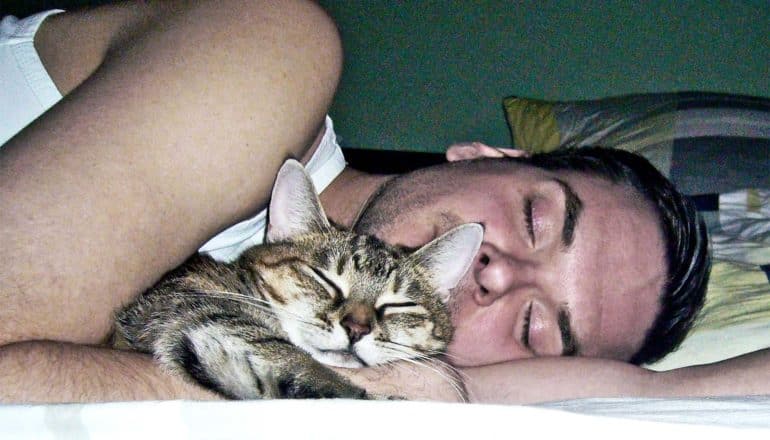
338,358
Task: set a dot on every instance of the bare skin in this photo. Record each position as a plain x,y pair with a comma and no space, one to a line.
71,175
97,166
94,209
42,372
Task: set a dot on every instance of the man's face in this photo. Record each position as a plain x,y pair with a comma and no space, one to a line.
570,264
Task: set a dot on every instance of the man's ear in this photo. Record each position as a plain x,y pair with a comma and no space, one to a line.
477,150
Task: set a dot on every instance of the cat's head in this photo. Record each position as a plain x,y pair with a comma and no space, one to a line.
351,300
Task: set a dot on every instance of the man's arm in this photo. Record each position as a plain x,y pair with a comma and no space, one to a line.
517,382
411,381
44,372
53,372
177,116
58,372
559,378
549,379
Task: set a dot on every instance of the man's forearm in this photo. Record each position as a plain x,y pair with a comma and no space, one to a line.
48,372
556,378
37,372
43,372
549,379
741,376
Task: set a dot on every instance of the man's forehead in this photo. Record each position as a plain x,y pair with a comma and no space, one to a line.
622,265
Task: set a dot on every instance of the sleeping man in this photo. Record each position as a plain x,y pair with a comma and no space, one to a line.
174,121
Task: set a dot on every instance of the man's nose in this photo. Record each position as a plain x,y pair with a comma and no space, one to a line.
499,274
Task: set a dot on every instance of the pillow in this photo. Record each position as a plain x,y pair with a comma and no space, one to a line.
735,318
686,135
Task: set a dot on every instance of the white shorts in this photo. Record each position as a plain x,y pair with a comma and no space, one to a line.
26,90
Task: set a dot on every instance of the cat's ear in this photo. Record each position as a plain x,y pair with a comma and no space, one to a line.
294,206
447,258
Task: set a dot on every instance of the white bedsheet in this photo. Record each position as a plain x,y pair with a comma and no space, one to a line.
736,412
727,419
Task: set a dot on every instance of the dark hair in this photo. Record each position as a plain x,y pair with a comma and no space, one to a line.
684,232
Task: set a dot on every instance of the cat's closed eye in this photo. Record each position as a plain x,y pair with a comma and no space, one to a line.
402,304
335,291
400,307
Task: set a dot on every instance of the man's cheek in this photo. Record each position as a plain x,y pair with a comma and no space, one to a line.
470,349
461,294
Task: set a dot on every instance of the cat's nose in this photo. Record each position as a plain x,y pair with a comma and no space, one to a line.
357,323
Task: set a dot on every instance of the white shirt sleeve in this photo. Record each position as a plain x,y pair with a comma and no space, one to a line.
326,163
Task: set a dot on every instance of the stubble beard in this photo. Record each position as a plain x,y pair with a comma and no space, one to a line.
458,293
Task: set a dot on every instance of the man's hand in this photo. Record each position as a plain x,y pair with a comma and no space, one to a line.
426,380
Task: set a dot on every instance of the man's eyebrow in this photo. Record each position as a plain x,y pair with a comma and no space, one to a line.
573,206
568,339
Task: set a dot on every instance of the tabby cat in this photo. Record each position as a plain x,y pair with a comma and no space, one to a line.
264,325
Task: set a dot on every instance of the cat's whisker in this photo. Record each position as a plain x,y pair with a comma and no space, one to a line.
429,355
452,357
261,304
453,382
448,356
228,294
311,327
432,355
409,354
460,373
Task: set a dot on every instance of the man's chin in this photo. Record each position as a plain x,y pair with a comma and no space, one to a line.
461,358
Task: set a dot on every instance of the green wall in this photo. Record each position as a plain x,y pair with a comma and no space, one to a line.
422,74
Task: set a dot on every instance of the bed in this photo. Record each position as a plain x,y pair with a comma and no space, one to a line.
599,418
714,146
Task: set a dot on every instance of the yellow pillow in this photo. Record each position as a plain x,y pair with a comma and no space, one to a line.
734,320
683,134
533,124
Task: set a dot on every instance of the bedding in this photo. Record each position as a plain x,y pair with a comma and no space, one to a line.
735,318
704,142
745,418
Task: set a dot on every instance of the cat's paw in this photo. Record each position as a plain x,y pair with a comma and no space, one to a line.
294,388
372,396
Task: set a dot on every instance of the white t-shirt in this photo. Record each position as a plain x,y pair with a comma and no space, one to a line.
326,164
26,91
